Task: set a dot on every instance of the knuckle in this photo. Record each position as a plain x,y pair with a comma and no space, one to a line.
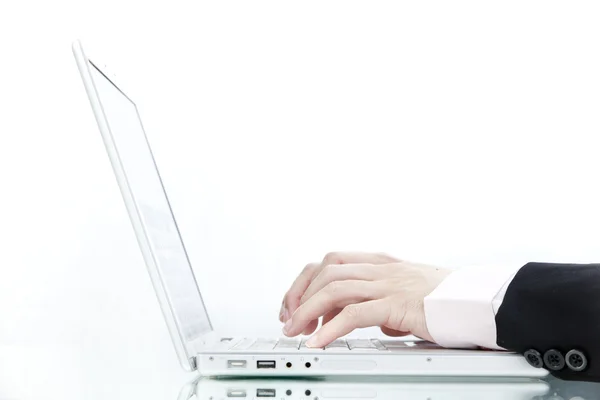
352,311
328,274
414,305
396,314
329,270
393,269
309,267
334,257
326,269
332,288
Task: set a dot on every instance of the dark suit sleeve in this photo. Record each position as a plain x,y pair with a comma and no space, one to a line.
551,314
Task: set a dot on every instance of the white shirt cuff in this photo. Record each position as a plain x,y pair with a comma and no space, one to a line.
461,311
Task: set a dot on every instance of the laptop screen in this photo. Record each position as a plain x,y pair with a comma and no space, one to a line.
153,208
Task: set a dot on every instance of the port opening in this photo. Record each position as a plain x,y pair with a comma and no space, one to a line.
265,393
236,393
307,392
288,364
265,364
307,365
236,363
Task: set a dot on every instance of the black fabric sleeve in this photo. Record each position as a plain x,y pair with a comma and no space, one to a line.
554,307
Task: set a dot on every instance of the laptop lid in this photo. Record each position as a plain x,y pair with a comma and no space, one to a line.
148,208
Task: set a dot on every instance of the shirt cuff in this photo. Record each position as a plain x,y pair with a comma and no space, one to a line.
461,311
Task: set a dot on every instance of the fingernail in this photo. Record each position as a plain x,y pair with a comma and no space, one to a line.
287,326
312,341
286,314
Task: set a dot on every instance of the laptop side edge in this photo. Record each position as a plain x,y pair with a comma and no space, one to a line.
186,352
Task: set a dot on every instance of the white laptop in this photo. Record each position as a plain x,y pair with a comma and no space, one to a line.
373,388
198,346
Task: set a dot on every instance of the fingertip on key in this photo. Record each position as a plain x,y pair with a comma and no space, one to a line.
312,342
287,327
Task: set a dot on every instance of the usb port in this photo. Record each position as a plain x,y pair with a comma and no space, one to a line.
236,363
265,392
265,364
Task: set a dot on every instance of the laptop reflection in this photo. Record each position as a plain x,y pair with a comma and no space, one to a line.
379,388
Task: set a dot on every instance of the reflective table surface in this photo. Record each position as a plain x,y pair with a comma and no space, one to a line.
76,372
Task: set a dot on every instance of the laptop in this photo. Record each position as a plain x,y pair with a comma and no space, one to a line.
198,346
373,388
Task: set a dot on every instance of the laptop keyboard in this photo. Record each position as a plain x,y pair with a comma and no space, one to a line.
288,344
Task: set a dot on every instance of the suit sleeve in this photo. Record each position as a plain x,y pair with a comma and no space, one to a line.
550,313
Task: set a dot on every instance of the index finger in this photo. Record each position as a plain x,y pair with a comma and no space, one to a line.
291,300
362,315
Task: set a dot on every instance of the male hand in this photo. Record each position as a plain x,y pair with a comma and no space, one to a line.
359,290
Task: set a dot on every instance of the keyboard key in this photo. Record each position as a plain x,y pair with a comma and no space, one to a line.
423,344
379,345
397,344
263,344
243,344
361,344
409,344
304,348
337,344
285,343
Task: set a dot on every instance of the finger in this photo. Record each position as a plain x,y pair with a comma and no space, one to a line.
332,273
347,257
291,299
335,295
393,332
281,312
363,315
311,327
330,315
326,318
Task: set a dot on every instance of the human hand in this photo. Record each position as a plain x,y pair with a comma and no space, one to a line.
359,290
292,298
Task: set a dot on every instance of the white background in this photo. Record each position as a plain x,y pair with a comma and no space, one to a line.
451,133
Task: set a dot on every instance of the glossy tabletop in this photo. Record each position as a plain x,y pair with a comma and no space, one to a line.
78,372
